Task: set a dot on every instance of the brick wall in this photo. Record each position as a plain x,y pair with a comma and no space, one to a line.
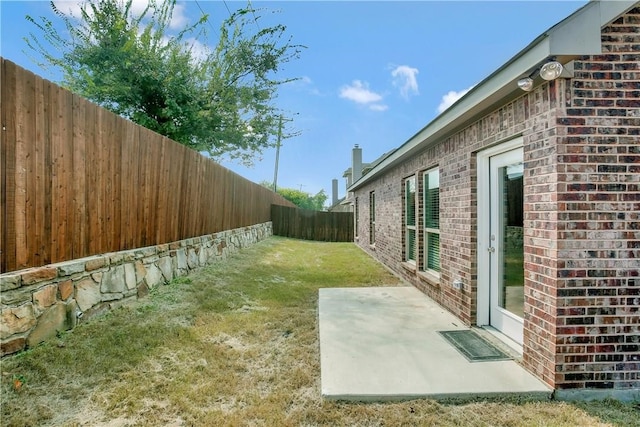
581,217
456,159
598,286
541,139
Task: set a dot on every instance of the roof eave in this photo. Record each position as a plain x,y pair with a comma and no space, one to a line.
577,35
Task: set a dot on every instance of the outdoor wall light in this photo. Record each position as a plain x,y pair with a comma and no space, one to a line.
526,84
551,70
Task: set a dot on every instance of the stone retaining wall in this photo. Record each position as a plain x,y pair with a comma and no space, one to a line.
37,303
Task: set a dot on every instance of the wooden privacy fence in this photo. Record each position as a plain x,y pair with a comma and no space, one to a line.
78,180
312,225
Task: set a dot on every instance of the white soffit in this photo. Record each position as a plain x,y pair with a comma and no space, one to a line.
576,35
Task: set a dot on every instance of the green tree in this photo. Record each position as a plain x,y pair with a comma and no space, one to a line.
300,198
218,100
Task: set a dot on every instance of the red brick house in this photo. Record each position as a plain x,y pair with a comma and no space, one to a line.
518,208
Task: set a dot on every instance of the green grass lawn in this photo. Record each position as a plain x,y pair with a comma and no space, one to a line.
236,344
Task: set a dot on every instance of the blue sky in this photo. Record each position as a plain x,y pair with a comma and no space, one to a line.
373,72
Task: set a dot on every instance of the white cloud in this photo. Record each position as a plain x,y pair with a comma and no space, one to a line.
378,107
74,8
307,85
178,20
359,92
199,51
304,83
70,8
450,98
138,6
404,77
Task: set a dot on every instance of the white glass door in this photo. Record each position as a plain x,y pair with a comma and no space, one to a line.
505,248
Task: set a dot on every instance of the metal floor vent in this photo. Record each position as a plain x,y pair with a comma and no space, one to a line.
473,346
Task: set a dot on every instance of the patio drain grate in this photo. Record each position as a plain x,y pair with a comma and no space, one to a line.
473,346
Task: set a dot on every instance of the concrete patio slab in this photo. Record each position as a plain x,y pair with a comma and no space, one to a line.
382,343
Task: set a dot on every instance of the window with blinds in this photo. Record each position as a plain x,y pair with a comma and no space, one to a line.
372,218
431,208
410,219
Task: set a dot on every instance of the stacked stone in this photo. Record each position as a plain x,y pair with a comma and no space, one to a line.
38,303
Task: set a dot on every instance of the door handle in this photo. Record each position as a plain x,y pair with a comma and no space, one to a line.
491,249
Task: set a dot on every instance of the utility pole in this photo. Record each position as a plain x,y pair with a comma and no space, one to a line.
275,173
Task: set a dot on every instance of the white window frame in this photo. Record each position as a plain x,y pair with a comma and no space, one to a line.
372,218
407,227
427,231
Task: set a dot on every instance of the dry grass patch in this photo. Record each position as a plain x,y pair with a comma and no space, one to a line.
235,344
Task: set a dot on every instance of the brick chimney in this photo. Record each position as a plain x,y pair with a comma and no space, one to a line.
356,164
334,192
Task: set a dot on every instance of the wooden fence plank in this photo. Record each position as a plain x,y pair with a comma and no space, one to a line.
101,180
3,177
208,206
218,198
47,160
176,187
70,220
106,178
23,124
184,195
114,169
80,238
161,207
39,192
144,221
9,170
62,155
31,161
194,183
139,238
54,142
127,185
92,171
